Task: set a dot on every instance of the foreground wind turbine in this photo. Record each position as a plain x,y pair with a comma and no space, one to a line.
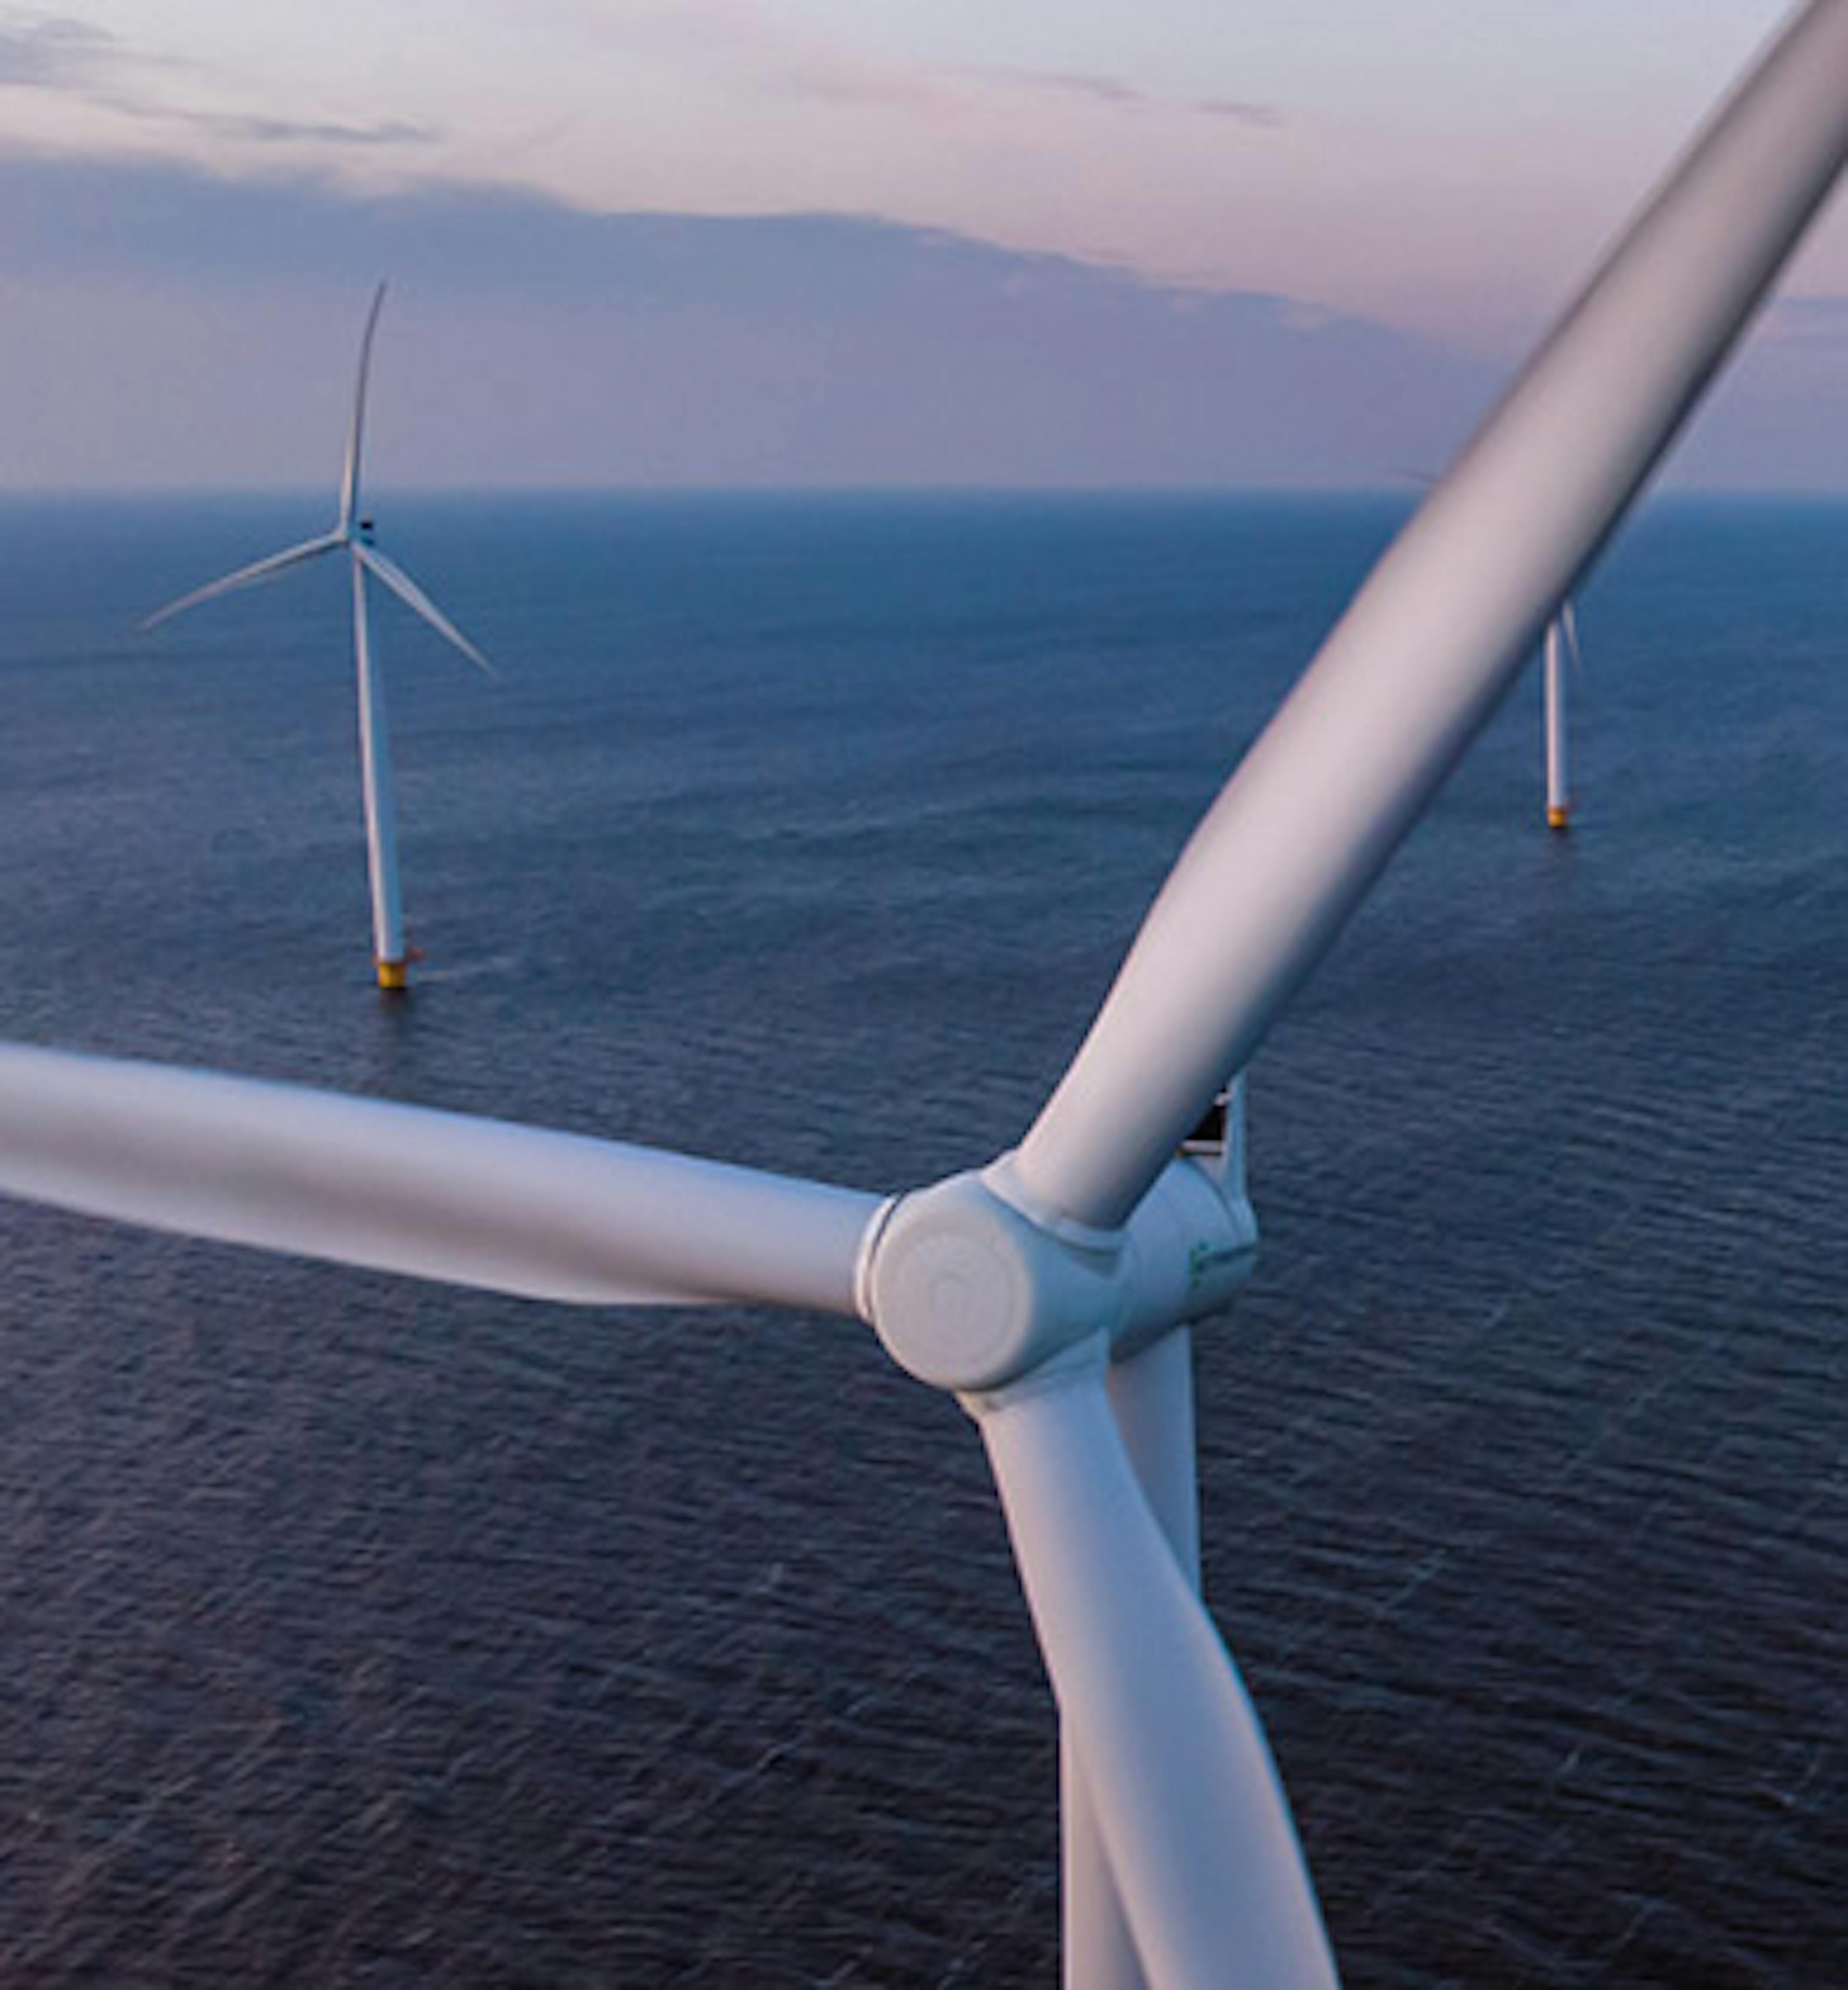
1561,645
352,535
1050,1289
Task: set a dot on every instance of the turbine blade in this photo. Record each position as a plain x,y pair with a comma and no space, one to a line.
1437,634
414,598
1095,1941
1186,1799
1151,1396
246,576
349,476
401,1188
1568,623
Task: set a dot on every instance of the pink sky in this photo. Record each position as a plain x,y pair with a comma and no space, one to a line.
1445,169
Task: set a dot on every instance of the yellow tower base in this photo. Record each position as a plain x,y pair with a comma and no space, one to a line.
1558,818
394,975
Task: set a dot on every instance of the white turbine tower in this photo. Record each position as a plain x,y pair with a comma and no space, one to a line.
352,535
1561,652
1050,1290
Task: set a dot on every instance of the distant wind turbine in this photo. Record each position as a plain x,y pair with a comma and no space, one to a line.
1562,638
352,535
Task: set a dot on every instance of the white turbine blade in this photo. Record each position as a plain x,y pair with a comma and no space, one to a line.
1568,622
1151,1395
414,598
1438,633
1186,1798
247,576
349,477
399,1188
1096,1946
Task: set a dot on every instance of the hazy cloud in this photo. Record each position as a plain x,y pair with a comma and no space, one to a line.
258,131
761,55
788,61
60,53
1263,114
1113,92
834,79
1099,88
153,222
52,52
166,325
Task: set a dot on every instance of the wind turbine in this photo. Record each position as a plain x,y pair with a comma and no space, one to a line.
352,535
1561,647
1051,1290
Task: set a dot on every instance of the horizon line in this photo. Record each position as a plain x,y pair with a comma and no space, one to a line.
946,488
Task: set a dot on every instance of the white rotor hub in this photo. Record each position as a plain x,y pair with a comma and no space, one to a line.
971,1287
966,1292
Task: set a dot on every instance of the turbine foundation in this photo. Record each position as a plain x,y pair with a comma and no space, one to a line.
394,975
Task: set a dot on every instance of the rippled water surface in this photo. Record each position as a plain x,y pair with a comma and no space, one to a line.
360,1631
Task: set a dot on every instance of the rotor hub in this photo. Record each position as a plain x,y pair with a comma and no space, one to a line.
966,1291
970,1286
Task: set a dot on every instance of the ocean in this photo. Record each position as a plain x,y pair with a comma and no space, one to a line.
362,1632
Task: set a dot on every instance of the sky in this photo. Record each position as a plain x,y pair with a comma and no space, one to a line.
811,241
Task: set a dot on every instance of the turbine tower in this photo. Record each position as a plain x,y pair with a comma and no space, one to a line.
1052,1291
1561,649
352,534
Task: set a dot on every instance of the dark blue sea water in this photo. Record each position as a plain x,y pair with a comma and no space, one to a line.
357,1631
